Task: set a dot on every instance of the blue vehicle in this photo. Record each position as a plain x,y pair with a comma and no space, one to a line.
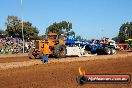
101,48
70,39
94,48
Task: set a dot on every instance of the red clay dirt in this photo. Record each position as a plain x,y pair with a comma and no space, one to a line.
14,59
63,74
18,58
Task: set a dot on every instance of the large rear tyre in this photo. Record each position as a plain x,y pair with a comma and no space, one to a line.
60,51
107,51
113,51
30,55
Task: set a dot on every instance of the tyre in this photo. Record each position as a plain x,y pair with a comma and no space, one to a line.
107,51
30,55
40,54
60,51
93,52
112,51
99,52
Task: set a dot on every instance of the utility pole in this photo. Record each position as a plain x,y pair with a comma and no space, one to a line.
22,24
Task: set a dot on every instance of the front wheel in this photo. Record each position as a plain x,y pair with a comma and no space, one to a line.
30,55
40,54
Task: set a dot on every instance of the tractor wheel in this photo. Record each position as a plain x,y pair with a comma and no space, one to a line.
107,51
40,53
98,53
113,51
30,55
60,51
93,52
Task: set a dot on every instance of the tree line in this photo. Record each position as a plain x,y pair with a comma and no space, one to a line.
14,29
125,32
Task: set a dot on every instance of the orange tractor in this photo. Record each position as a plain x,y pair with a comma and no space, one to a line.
56,44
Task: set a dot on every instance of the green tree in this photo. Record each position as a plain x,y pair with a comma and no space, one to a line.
125,31
2,33
116,39
60,27
14,28
78,38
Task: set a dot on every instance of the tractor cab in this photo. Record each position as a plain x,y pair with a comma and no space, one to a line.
55,39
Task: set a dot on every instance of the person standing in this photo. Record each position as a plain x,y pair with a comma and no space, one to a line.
45,52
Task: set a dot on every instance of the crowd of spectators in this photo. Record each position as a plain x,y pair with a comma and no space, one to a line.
14,45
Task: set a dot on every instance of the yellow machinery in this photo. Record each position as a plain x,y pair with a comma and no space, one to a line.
129,41
56,44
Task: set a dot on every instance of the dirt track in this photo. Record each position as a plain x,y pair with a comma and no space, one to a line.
63,74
